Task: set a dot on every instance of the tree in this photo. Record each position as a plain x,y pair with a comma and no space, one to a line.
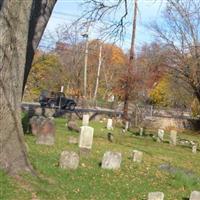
22,24
46,73
99,9
180,33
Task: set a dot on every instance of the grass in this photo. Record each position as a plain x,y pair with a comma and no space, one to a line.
89,182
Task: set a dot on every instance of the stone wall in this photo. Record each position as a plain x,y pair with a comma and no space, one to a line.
169,122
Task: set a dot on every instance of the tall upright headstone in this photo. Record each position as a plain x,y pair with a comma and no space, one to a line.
173,136
46,132
141,131
194,148
161,134
85,121
126,125
109,124
86,138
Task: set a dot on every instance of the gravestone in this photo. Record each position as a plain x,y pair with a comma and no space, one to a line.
173,135
111,160
72,125
72,140
141,131
195,195
69,160
126,126
137,156
35,123
194,148
161,134
109,124
85,121
156,196
86,139
46,132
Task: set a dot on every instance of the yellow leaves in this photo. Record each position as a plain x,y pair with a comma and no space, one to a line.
118,57
159,94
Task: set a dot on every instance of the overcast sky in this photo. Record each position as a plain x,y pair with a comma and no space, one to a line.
67,11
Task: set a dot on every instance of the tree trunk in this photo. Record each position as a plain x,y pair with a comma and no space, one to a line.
98,72
40,14
15,18
131,66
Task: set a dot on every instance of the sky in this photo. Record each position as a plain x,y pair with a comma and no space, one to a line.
67,11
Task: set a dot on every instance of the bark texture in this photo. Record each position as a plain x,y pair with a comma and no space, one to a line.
15,19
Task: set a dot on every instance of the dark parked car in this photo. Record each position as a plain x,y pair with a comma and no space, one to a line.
56,100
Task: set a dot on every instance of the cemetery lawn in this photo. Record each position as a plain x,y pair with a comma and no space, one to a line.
89,182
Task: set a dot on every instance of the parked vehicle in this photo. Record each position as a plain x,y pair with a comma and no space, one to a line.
56,100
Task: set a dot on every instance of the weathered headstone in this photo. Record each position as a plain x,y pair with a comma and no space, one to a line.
137,156
86,137
141,131
173,135
195,195
194,148
46,132
35,123
111,160
109,124
161,134
156,196
72,140
72,125
85,121
69,160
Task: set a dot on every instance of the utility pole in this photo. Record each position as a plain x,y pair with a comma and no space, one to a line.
86,35
98,71
131,64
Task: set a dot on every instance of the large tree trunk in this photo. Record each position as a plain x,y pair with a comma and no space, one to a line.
40,14
15,18
131,65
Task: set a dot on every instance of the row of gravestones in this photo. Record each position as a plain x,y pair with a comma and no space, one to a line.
44,129
160,135
173,139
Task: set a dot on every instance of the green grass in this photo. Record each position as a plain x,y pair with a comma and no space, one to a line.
89,182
